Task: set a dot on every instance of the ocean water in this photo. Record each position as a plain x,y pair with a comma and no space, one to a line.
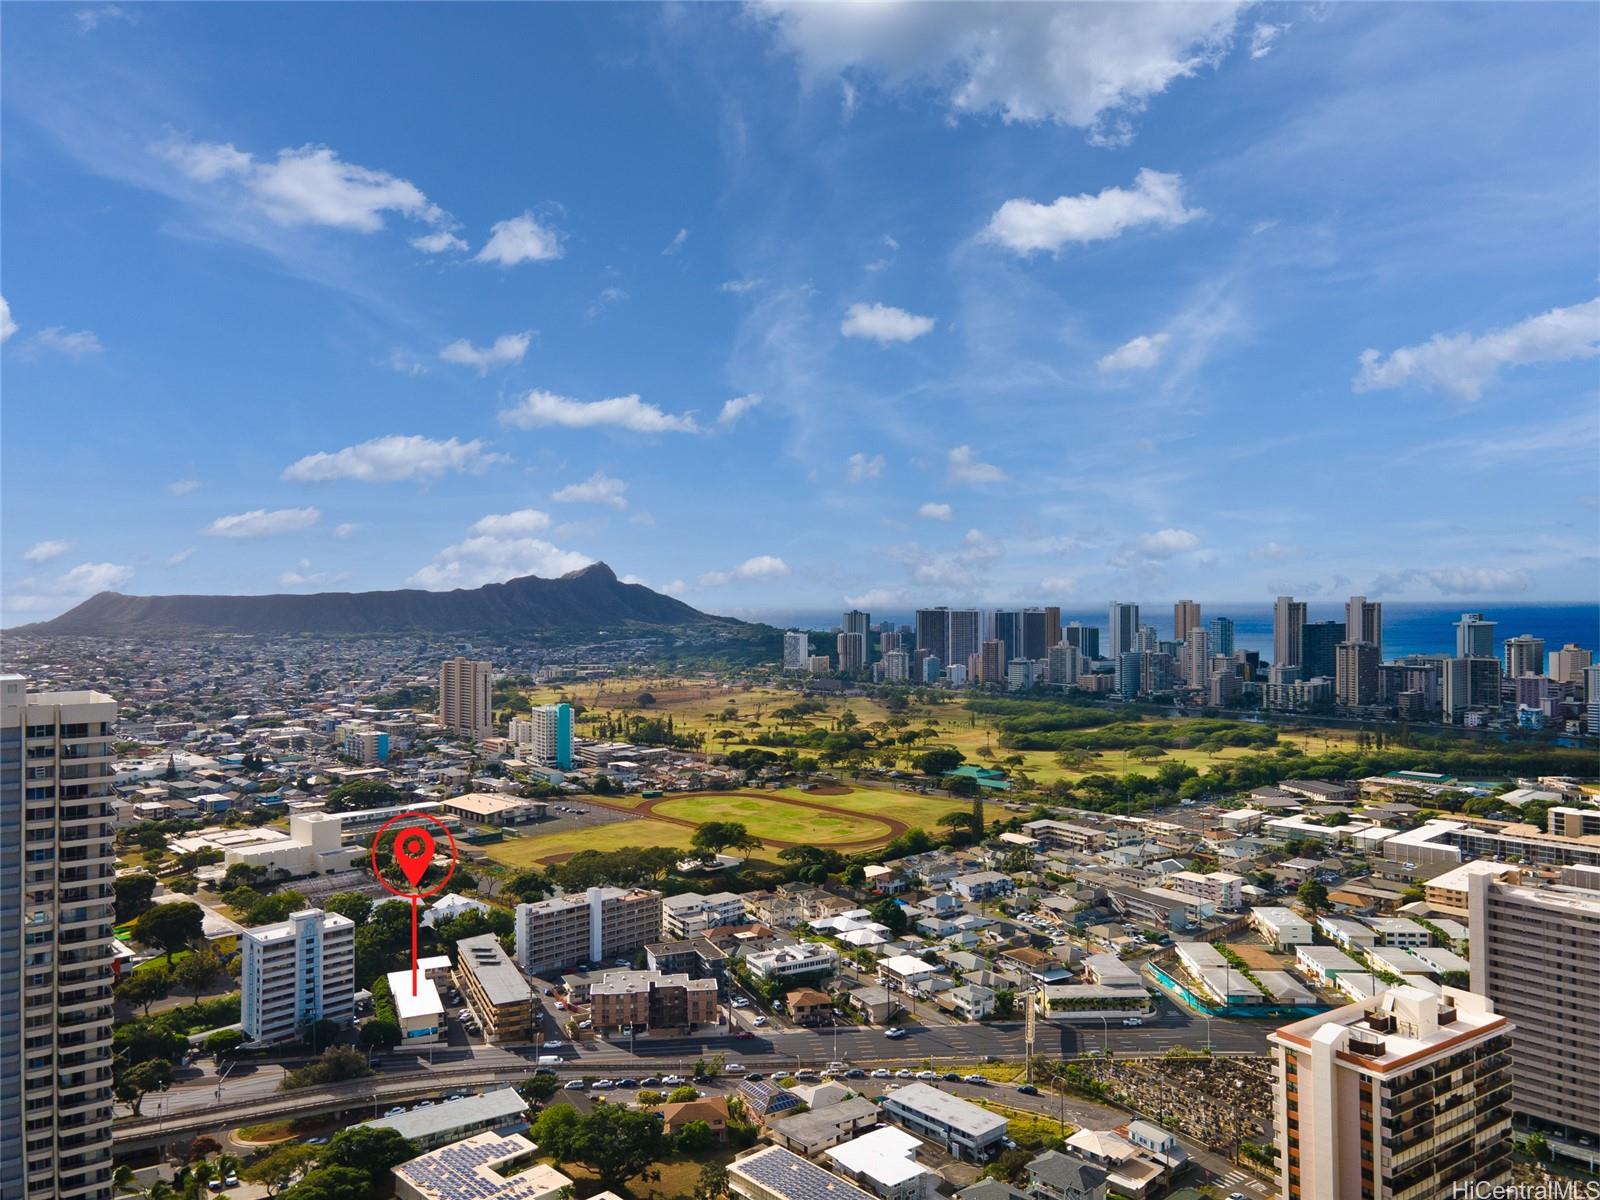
1408,628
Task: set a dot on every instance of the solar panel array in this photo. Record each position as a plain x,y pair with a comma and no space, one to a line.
786,1174
463,1172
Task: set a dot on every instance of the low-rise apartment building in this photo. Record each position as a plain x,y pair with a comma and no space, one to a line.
1220,888
1281,927
797,958
599,925
495,990
690,915
961,1128
642,1001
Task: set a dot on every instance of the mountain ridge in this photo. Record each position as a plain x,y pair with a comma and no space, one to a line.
589,598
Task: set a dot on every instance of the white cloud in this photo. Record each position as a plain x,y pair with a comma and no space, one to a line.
260,522
1264,36
393,459
1461,365
1059,584
89,19
405,363
599,488
607,297
753,570
1026,227
739,287
438,242
858,467
508,348
43,552
1462,582
677,242
676,588
933,511
1164,543
1084,65
1274,550
74,344
733,409
182,487
306,185
486,559
301,575
519,240
884,324
346,529
962,467
874,598
181,557
7,325
88,578
626,412
969,566
512,524
1137,354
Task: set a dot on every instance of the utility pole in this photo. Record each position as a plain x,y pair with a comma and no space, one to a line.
1029,1024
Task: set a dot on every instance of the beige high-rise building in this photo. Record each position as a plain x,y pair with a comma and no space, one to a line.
1355,673
1536,955
1524,655
1185,616
1567,663
466,697
1288,626
594,927
1363,622
56,914
1399,1097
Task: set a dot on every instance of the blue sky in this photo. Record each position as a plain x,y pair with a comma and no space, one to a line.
781,306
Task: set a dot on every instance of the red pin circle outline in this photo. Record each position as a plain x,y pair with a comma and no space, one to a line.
454,855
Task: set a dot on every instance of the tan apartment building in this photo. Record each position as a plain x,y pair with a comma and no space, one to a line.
56,867
646,1000
466,697
1448,892
495,990
1536,955
595,927
1398,1097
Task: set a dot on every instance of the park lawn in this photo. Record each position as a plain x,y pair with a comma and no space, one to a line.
917,811
540,848
283,1130
768,817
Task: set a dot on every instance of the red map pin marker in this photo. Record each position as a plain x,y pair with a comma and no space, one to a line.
413,850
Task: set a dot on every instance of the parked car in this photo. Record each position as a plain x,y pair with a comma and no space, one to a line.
1028,1089
855,1073
628,1083
395,1111
927,1075
733,1069
671,1080
755,1077
740,1002
881,1073
904,1073
651,1082
979,1079
573,1085
601,1085
951,1077
759,1021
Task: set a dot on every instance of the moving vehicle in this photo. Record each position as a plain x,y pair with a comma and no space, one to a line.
1028,1089
759,1021
1134,1021
548,1060
573,1085
895,1034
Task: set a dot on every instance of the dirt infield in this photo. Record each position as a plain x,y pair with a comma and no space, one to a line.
893,826
828,789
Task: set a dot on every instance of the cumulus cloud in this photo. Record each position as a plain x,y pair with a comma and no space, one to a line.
962,466
883,324
301,575
393,459
1138,354
88,578
507,349
733,409
760,568
539,408
933,511
962,570
1462,366
7,325
1164,543
858,467
874,598
67,589
261,522
488,558
438,242
73,344
182,487
1026,227
1082,65
1462,582
512,524
519,240
676,244
599,488
307,185
43,552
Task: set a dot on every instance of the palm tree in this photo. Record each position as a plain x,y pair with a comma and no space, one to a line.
124,1180
161,1190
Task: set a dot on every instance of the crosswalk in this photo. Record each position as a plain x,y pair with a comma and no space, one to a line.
1241,1181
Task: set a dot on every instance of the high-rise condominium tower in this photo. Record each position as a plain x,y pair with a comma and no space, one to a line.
1567,663
1124,628
1222,636
1185,616
466,697
1288,624
56,914
1363,621
1398,1097
933,632
1474,636
856,621
547,733
796,650
852,648
1536,955
1052,626
964,636
1356,673
1524,655
1319,642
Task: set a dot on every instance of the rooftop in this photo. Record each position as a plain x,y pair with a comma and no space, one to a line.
1390,1031
499,1107
785,1174
470,1170
499,977
948,1110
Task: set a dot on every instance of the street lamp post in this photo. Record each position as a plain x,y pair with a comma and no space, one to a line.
1105,1034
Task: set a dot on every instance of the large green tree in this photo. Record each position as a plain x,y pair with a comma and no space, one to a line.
332,1183
376,1151
281,1167
133,894
143,987
711,838
199,971
170,927
614,1142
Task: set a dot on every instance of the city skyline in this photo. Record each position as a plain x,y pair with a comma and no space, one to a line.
392,328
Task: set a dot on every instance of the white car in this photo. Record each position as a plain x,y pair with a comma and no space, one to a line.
1134,1021
672,1080
894,1034
573,1085
881,1073
979,1079
904,1073
759,1021
740,1002
555,1045
601,1085
927,1075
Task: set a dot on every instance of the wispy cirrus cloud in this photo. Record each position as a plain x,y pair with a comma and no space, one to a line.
733,410
46,551
1136,354
261,522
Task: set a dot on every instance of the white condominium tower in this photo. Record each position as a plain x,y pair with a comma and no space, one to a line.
56,914
296,972
1363,622
796,650
466,697
1124,627
1288,626
1399,1097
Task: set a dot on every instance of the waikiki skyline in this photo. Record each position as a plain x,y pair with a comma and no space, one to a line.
779,306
